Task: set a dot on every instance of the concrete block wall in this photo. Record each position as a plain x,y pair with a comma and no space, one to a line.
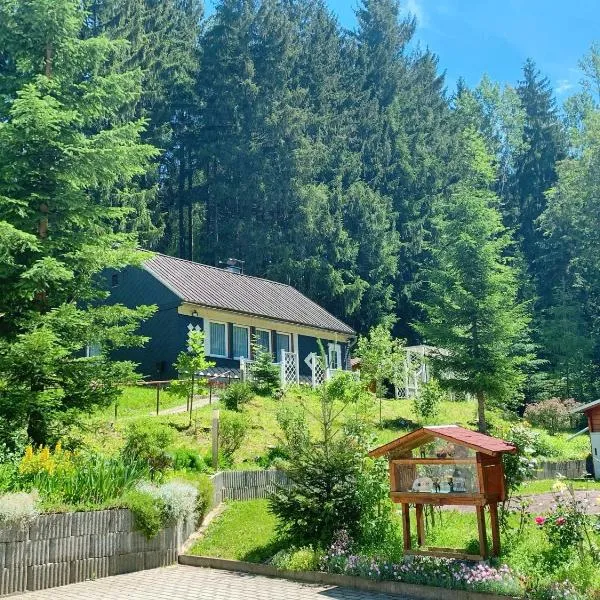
246,485
57,549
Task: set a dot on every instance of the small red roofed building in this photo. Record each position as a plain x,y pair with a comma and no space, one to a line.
447,465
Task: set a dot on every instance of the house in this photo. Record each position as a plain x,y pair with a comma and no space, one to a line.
592,412
233,310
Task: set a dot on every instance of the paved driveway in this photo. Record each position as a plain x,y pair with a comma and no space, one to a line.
193,583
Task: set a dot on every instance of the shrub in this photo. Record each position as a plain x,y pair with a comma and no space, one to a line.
236,395
204,487
18,508
427,402
553,414
265,375
178,499
187,459
298,559
148,442
148,511
233,428
520,466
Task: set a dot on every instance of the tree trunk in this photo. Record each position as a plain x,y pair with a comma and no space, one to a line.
481,412
181,205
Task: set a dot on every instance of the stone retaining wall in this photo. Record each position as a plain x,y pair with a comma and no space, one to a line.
57,549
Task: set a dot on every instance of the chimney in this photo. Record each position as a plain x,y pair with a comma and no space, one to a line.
233,265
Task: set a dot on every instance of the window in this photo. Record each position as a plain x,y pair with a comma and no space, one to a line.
240,342
263,339
115,280
335,356
93,349
217,339
283,343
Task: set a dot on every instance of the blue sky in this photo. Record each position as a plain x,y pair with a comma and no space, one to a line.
473,37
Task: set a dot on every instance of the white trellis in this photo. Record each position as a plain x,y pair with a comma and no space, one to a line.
289,368
319,372
246,369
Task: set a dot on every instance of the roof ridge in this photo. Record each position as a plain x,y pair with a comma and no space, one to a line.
193,262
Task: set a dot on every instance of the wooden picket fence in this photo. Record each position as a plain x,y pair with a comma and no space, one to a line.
246,485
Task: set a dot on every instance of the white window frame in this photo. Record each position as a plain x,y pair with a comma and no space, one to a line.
289,336
247,357
269,336
337,348
208,342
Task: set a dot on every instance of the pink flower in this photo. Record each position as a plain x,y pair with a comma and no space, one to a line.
540,520
561,521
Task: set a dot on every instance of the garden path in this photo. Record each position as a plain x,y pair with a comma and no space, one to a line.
199,402
193,583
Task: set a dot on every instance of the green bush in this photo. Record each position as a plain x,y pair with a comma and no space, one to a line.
233,428
204,486
187,459
148,511
427,402
298,559
148,442
236,395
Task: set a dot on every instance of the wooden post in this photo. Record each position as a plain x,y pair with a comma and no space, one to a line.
483,547
406,526
393,483
420,525
215,439
495,529
157,398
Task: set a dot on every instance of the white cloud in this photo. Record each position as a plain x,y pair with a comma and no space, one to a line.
563,86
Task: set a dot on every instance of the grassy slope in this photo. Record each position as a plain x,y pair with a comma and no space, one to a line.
101,431
245,531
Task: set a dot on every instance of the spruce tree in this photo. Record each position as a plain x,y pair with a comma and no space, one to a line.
471,309
65,153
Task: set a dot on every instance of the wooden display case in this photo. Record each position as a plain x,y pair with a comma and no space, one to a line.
447,465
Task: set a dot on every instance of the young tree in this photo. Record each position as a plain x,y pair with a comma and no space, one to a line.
471,309
66,150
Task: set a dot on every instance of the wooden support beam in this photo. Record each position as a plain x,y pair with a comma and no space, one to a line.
483,546
444,553
420,525
494,524
434,461
406,527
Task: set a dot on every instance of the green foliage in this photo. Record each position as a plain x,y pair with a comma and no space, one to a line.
519,466
427,402
233,428
236,395
333,485
472,308
148,512
298,559
382,359
187,459
148,443
189,363
266,378
67,151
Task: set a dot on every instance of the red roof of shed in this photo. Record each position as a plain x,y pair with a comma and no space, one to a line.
480,442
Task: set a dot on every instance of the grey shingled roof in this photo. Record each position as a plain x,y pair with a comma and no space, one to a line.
221,289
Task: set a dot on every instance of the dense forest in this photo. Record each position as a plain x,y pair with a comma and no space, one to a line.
337,161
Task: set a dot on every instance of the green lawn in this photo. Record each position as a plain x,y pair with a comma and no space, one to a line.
245,531
101,431
545,485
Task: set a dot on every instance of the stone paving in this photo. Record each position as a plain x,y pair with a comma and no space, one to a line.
193,583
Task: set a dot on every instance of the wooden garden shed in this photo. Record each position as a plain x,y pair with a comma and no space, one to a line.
592,413
447,465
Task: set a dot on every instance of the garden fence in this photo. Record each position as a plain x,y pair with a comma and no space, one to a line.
246,485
